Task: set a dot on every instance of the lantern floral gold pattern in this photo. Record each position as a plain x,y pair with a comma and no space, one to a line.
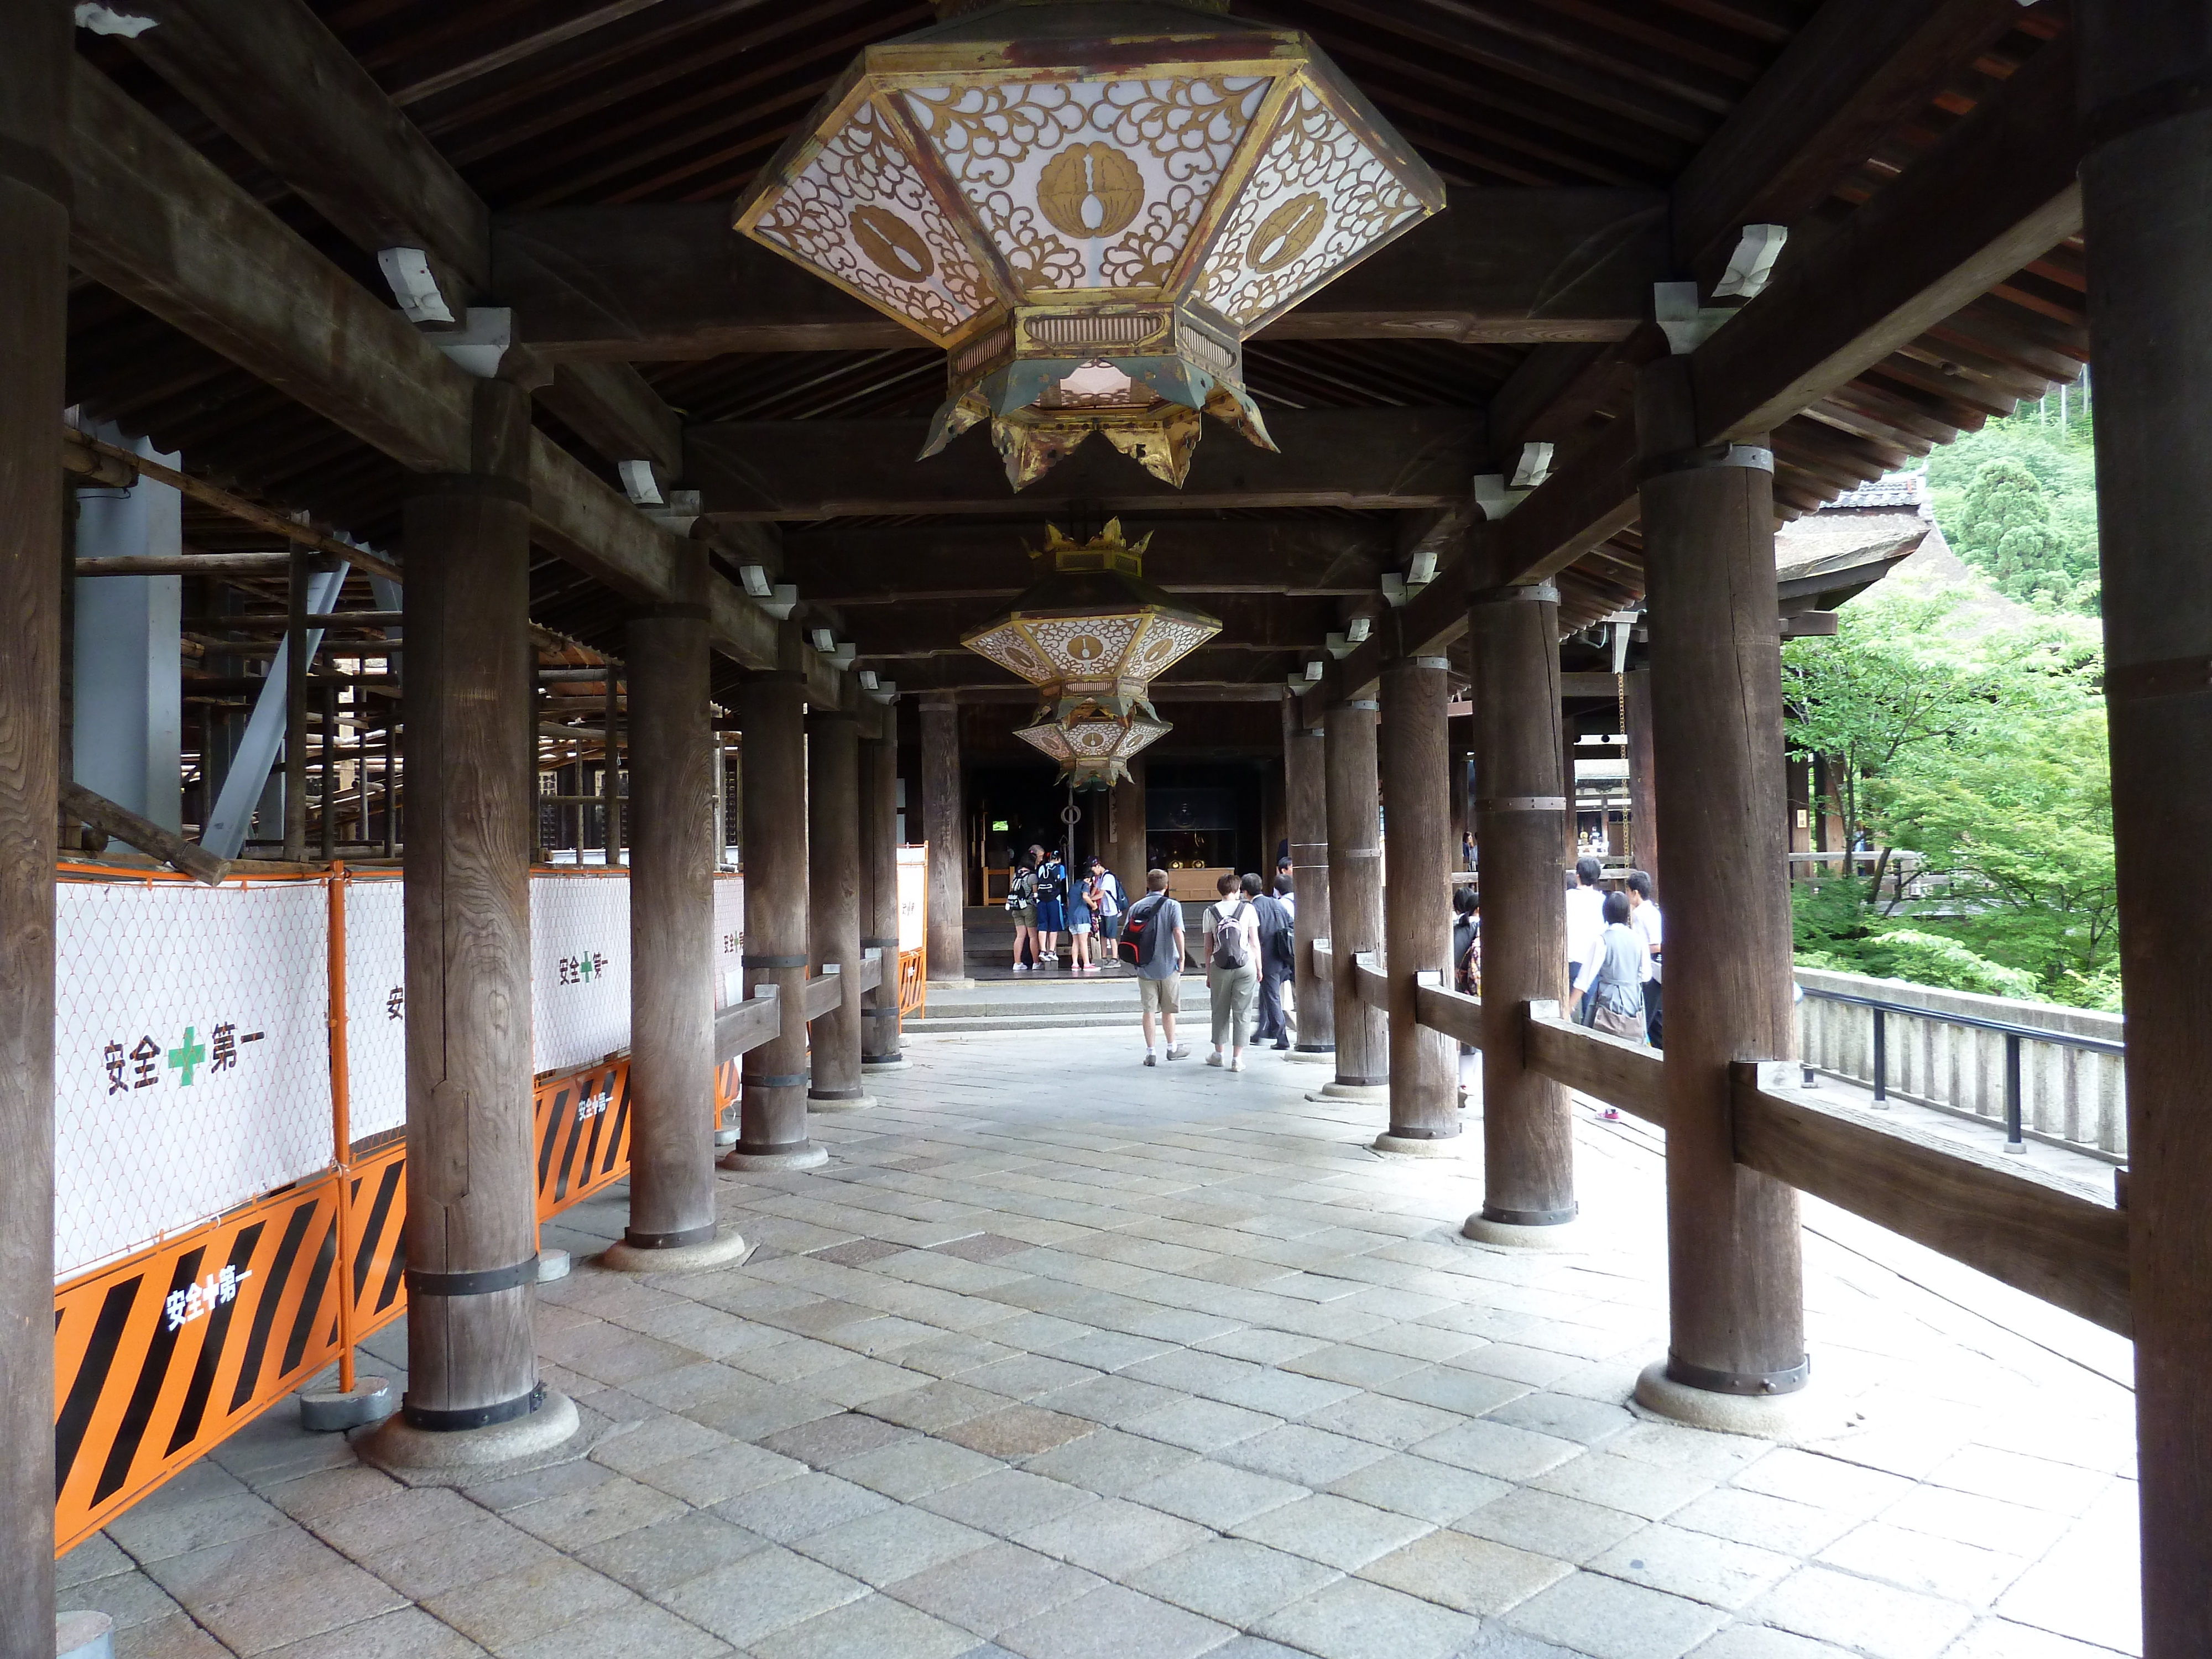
1091,204
1092,746
1094,632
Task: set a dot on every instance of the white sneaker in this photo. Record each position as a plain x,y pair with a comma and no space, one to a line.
1237,1063
1021,968
1214,1059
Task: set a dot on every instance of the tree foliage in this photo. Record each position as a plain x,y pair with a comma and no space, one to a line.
2018,500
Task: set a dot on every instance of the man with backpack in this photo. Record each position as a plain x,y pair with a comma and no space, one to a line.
1232,971
1051,902
1109,902
1152,930
1277,961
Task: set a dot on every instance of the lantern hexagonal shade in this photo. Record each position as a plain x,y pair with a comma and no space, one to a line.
1092,746
1093,631
1091,204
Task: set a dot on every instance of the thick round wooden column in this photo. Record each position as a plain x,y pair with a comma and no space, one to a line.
1527,1131
1643,843
1735,1283
1305,773
944,824
1123,836
35,77
672,927
1417,899
879,896
1355,890
832,849
2143,189
772,1118
471,806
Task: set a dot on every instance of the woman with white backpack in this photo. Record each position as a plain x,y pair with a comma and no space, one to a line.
1232,970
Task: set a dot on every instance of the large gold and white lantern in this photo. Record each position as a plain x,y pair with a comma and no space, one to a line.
1092,746
1091,204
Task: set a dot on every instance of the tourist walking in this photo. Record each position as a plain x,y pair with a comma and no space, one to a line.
1232,971
1021,910
1051,902
1644,917
1277,961
1108,902
1466,972
1081,919
1585,921
1610,983
1466,849
1154,931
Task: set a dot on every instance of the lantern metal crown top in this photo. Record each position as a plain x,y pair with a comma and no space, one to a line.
1089,205
1093,631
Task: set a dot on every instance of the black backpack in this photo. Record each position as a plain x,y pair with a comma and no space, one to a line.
1137,927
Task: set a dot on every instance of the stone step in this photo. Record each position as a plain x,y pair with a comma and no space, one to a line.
956,1023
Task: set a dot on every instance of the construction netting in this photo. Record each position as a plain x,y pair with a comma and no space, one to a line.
578,968
729,939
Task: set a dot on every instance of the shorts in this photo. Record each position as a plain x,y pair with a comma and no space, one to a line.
1160,996
1109,927
1079,928
1051,916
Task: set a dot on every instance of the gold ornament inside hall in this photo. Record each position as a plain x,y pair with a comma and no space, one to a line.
1090,190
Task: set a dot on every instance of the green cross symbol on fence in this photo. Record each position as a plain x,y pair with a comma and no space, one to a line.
188,1057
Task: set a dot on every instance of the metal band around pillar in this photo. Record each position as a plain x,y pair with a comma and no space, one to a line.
1521,804
751,961
1522,593
1755,1383
1750,457
879,943
487,1281
474,1417
1368,703
1531,1217
780,1081
670,1241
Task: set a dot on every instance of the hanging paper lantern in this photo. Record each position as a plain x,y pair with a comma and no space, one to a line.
1093,746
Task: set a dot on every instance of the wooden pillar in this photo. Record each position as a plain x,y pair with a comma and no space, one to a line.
472,1199
611,777
1735,1283
1417,900
945,825
833,848
1457,776
880,1049
1124,838
1355,891
772,1122
35,77
1274,818
1305,771
1643,843
2144,185
1527,1131
671,932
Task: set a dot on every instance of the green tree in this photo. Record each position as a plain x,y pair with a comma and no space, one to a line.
2018,500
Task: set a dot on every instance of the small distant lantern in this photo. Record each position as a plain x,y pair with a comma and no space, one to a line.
1093,746
1091,204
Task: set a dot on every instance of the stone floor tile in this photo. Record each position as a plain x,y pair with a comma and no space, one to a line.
1285,1394
1933,1566
1565,1417
404,1633
1765,1642
1216,1496
1302,1454
657,1558
1110,1463
130,1599
1009,1502
1754,1517
658,1439
1449,1388
153,1531
935,1407
1623,1483
892,1544
915,1468
1607,1619
1235,1580
1857,1613
1016,1431
2001,1639
271,1588
644,1632
1351,1362
705,1479
532,1602
1384,1420
993,1588
1116,1401
575,1519
948,1354
830,1440
1435,1492
1510,1360
1028,1375
327,1491
1334,1531
1494,1449
1695,1564
503,1497
1470,1575
1546,1523
1105,1351
1826,1483
485,1549
1354,1620
1111,1622
1252,1647
1431,1343
861,1380
1115,1538
1202,1425
765,1592
2086,1586
1984,1522
175,1635
1693,1451
1266,1348
2015,1478
800,1507
97,1557
873,1627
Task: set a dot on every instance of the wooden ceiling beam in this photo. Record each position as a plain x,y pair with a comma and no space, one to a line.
157,222
1364,459
675,281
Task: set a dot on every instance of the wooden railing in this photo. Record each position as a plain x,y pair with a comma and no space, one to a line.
1989,1213
746,1025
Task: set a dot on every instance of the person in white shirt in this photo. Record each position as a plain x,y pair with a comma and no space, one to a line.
1585,917
1611,981
1644,917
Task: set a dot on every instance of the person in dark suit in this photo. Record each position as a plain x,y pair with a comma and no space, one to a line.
1278,959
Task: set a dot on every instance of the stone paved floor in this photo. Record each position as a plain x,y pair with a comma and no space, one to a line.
1065,1358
